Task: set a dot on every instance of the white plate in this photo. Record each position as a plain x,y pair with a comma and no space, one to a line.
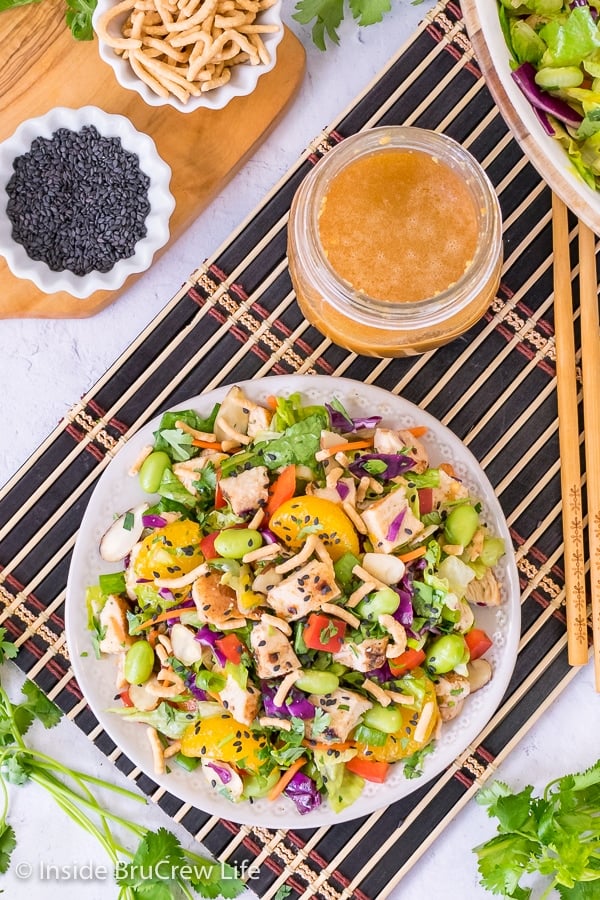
116,492
544,152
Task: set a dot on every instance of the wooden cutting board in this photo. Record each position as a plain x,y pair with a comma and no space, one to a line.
42,65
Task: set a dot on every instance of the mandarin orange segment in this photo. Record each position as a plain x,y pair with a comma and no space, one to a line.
297,518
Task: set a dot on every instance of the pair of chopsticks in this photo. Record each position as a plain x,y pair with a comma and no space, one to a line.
568,427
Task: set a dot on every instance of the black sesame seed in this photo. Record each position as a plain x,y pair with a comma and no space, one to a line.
78,201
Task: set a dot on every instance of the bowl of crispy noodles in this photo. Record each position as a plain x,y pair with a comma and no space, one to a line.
189,54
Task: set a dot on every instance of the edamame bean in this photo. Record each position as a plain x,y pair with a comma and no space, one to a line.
446,653
384,718
383,602
152,471
316,682
461,525
233,543
139,662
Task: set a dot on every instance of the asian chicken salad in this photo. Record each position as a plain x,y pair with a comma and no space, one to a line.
293,610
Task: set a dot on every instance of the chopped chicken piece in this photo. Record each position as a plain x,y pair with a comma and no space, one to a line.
451,689
242,703
364,657
215,602
113,619
448,490
388,441
304,590
246,491
258,420
344,708
222,778
189,471
379,516
484,591
272,650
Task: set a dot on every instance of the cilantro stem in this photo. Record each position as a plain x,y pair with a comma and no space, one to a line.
91,802
9,713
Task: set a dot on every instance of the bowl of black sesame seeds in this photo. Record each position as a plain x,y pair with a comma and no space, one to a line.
84,201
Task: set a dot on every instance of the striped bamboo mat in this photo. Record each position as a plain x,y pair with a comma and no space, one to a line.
235,319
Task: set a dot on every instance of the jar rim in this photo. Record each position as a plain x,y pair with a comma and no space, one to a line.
399,314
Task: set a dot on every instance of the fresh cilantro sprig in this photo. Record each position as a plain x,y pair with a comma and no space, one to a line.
328,15
556,835
158,869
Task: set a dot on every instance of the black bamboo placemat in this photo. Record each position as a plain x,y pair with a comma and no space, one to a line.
236,318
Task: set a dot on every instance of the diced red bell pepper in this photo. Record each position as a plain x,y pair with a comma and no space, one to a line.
232,648
408,660
207,545
425,500
369,769
324,633
220,501
478,642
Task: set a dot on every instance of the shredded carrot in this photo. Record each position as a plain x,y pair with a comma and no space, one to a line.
152,637
207,445
272,401
315,745
418,431
349,445
412,554
285,779
150,623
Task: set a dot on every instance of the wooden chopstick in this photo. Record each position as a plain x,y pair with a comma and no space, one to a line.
590,369
568,434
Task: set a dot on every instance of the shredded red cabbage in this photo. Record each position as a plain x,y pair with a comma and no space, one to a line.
268,536
303,791
395,525
342,423
404,613
298,705
396,464
524,76
382,674
205,636
142,580
166,593
152,521
195,691
342,489
544,121
223,773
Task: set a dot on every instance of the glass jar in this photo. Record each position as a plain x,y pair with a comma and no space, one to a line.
352,317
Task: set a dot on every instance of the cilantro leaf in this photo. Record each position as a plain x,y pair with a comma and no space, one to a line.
555,835
8,842
413,764
14,771
328,15
368,12
79,18
39,705
158,856
7,648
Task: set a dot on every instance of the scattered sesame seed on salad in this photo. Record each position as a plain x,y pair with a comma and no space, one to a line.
294,610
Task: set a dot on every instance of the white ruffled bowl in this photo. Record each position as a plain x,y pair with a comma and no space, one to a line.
160,199
244,77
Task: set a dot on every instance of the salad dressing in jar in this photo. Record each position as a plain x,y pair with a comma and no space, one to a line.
394,242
